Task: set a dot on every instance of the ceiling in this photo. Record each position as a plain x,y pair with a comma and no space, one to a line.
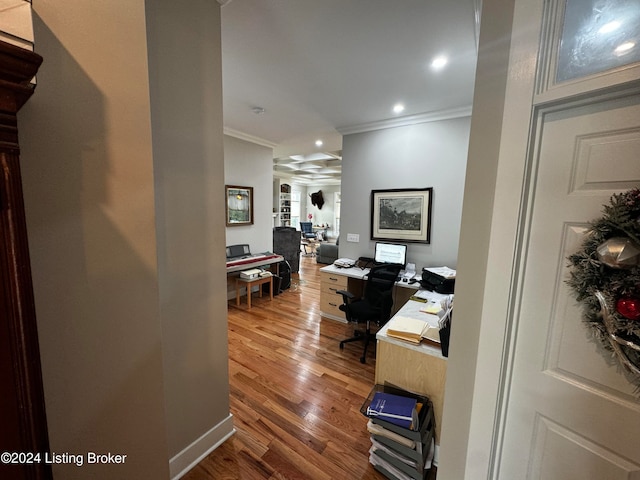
298,71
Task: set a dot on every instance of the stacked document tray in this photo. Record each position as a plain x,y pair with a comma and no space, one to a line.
400,453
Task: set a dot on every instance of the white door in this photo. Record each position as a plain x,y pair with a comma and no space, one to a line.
567,411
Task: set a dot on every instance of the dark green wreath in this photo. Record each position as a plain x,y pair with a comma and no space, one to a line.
598,271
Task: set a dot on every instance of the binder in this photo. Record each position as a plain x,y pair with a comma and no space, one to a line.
395,409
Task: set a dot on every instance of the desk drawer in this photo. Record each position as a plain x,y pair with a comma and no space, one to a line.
330,304
331,289
333,279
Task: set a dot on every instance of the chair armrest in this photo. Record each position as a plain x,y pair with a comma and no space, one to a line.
346,295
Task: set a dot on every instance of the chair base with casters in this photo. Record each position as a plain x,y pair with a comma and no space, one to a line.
374,308
359,336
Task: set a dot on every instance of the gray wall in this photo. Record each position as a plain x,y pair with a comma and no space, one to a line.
250,165
429,154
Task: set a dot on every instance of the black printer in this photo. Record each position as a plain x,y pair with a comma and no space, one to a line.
439,279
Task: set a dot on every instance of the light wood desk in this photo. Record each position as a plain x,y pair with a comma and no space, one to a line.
333,278
418,368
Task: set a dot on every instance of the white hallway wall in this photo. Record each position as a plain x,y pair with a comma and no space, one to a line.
126,247
250,165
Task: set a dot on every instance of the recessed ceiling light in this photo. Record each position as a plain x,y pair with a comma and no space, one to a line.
624,48
398,108
609,27
439,62
257,110
319,143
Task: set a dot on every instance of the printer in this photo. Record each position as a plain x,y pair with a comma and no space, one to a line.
438,279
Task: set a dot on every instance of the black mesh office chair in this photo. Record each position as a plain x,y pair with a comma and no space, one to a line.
375,305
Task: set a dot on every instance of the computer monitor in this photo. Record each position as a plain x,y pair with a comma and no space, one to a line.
393,253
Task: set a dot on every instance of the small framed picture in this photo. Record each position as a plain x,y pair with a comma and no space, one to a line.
239,205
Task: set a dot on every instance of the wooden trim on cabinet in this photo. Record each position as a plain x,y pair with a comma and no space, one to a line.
22,408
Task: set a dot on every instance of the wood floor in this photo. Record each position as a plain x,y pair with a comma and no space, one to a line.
295,396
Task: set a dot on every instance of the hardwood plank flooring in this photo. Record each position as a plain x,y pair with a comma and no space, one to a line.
295,396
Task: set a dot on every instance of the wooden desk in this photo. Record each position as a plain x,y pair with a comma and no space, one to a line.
250,283
418,368
352,279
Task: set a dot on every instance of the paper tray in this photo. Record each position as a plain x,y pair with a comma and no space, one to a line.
416,473
418,456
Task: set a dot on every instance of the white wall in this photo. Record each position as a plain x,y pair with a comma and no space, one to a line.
127,266
88,184
471,392
250,165
186,106
326,215
430,154
15,23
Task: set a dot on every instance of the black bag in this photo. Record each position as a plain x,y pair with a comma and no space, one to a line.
280,282
285,275
437,283
275,285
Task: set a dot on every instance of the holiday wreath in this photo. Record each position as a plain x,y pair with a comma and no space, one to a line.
605,277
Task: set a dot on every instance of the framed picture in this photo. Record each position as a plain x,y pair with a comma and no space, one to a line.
239,205
401,214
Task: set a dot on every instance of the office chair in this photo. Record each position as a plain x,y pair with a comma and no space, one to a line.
374,306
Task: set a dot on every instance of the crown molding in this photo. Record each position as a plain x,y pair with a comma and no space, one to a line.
248,138
223,2
407,120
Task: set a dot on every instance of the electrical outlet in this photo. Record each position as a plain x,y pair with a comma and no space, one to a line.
353,237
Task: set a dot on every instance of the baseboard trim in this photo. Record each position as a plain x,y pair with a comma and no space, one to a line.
188,458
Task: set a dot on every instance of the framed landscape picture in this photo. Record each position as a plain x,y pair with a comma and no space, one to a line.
239,205
401,214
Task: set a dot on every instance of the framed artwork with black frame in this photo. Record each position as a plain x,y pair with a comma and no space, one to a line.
238,205
402,214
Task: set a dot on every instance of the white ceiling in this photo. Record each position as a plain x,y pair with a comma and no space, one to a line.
324,68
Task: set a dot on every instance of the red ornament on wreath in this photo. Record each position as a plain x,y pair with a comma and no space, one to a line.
629,308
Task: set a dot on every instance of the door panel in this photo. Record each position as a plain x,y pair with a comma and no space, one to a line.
571,413
581,459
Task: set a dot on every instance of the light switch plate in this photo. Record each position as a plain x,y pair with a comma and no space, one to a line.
353,237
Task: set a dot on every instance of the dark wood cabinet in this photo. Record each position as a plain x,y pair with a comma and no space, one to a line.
22,412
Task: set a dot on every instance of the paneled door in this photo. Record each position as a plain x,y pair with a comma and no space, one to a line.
568,412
